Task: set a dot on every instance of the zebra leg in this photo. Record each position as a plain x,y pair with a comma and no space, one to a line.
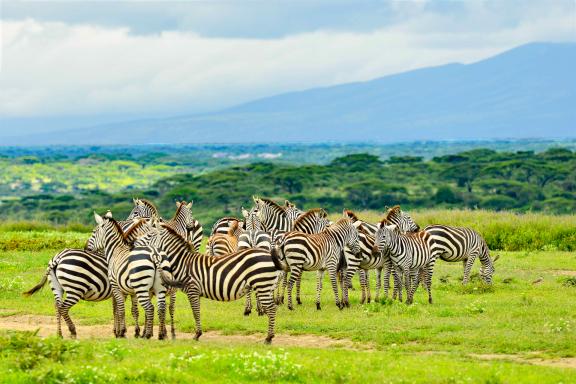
259,307
266,298
334,282
280,287
345,284
135,316
295,272
412,277
362,278
146,303
319,276
194,299
428,280
114,310
119,315
161,300
58,319
248,306
468,267
397,274
171,308
368,294
284,285
378,285
298,283
70,301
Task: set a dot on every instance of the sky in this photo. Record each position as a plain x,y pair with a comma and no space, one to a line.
85,62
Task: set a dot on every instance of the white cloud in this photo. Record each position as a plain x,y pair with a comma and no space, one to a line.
53,68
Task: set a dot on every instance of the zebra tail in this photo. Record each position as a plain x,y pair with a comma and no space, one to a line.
38,286
277,256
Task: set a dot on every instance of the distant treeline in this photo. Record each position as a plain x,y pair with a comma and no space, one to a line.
516,181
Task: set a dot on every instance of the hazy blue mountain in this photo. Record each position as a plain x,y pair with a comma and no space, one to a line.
529,91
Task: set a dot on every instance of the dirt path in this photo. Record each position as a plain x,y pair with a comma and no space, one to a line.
46,326
563,362
564,272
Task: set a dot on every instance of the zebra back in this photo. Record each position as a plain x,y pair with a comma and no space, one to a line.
312,221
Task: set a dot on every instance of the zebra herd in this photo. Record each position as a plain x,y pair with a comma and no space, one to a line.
263,253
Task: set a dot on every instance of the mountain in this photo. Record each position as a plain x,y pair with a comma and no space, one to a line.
529,91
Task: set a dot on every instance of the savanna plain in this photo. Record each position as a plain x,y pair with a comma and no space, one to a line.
520,329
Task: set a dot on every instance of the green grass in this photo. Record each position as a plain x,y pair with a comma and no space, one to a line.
420,343
502,230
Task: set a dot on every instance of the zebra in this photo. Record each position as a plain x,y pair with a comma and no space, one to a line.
377,261
275,218
223,278
143,209
314,220
318,252
75,275
410,252
223,225
116,245
222,244
142,271
462,244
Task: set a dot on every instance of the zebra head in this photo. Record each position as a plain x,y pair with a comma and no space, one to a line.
184,216
252,221
292,212
97,240
401,219
487,269
384,236
142,209
351,238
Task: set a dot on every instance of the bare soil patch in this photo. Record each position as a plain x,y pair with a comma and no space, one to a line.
564,272
46,326
563,362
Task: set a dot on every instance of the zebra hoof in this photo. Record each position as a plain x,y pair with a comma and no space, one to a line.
247,312
268,340
430,301
318,306
197,335
299,301
290,307
369,300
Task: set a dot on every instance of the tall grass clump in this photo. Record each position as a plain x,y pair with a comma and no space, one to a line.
505,231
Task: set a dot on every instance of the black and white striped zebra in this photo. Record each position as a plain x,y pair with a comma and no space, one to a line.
410,252
116,245
223,225
142,270
75,275
225,278
275,218
378,261
318,252
223,244
314,220
455,244
143,209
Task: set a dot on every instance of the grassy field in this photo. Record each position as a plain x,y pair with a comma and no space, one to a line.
523,329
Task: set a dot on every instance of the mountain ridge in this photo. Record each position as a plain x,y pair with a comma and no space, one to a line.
528,91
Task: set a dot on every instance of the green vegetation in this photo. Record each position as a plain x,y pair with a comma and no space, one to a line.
522,328
517,182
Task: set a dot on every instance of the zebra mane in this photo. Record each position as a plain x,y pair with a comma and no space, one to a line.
392,212
311,212
126,235
341,222
179,239
178,209
273,205
150,205
363,231
348,213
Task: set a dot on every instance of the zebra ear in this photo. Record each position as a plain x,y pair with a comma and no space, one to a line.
393,228
98,218
135,200
495,258
108,214
245,213
189,206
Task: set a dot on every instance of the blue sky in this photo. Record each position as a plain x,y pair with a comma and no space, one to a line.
94,61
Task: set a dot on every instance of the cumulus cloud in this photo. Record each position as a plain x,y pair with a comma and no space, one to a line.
67,68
